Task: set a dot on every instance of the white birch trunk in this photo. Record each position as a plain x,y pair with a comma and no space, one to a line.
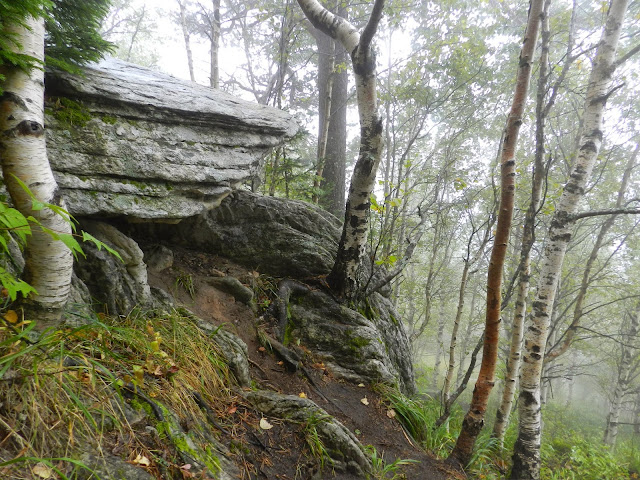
187,40
23,154
625,373
345,275
526,457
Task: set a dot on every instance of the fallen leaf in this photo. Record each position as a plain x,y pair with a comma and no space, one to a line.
11,316
43,471
262,349
364,401
302,395
265,425
280,362
232,410
361,385
391,413
142,460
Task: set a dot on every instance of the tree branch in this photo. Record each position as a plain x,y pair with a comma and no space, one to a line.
613,211
626,56
372,25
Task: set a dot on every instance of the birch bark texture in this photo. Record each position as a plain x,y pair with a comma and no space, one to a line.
528,239
626,373
560,347
345,275
526,456
23,154
474,419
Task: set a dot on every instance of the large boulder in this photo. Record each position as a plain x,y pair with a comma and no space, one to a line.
124,140
276,236
368,346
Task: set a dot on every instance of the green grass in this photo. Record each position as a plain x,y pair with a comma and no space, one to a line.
59,387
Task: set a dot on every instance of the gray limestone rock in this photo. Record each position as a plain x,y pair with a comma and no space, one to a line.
158,258
233,349
118,284
124,140
368,347
272,235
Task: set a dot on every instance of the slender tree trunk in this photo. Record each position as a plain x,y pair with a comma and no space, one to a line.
24,155
334,172
467,337
636,416
474,419
332,132
468,262
214,75
439,346
345,277
136,31
326,74
187,39
624,378
528,239
526,458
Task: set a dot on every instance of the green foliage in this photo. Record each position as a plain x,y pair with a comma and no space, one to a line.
64,382
314,442
73,33
573,456
381,469
72,37
15,13
14,224
185,281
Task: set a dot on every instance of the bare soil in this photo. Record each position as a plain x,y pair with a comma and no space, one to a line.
282,452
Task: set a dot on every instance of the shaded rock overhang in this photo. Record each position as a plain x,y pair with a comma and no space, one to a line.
127,141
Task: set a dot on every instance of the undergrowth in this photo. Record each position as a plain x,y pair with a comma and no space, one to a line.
572,447
62,390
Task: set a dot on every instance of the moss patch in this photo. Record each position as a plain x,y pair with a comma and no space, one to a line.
68,112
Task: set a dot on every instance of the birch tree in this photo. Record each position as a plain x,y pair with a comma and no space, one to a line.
627,371
474,419
526,457
345,277
543,107
23,155
182,19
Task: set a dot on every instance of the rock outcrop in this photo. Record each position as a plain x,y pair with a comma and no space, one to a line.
124,140
271,235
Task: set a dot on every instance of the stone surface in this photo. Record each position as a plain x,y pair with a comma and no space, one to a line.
119,285
158,258
271,235
146,145
110,467
367,347
342,446
233,349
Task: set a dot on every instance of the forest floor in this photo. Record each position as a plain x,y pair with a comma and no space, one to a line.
282,452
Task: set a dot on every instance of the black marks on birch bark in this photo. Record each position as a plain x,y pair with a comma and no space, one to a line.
30,128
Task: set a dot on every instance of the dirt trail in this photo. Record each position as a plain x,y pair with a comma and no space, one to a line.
282,453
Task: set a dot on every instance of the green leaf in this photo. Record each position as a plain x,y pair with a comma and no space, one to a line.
87,237
14,285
